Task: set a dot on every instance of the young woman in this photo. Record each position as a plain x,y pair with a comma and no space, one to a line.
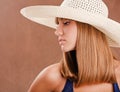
85,35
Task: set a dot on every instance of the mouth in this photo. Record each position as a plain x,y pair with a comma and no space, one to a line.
61,41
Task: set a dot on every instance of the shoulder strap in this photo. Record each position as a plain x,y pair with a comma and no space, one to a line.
68,86
115,87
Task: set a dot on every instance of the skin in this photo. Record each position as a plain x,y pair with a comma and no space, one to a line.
50,79
67,34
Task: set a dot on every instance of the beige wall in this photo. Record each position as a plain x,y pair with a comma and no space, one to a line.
27,47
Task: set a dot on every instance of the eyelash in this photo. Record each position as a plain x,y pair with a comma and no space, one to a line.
66,23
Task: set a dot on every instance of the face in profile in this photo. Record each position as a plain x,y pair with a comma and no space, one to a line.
67,34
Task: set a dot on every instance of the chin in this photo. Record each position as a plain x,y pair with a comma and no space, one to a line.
67,49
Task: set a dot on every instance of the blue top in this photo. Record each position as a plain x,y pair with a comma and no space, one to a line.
69,87
116,88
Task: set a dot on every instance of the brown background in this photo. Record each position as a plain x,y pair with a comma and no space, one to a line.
27,47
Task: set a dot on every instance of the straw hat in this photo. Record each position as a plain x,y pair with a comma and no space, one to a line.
93,12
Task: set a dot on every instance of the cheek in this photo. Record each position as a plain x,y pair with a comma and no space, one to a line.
71,33
73,37
74,34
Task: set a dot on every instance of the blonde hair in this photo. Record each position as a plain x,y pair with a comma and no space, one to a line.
92,61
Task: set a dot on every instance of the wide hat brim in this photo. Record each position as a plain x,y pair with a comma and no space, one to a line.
46,15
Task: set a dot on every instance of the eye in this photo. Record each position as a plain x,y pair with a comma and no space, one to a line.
67,22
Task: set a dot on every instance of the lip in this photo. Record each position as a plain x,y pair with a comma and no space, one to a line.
61,41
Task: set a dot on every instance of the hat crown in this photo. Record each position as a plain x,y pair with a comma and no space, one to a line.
92,6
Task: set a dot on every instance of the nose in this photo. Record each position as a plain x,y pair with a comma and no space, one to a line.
59,31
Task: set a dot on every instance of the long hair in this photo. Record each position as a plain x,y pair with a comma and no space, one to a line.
92,60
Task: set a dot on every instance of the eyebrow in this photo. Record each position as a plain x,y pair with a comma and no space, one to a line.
56,19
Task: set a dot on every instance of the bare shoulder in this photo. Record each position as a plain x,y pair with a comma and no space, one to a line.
47,80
